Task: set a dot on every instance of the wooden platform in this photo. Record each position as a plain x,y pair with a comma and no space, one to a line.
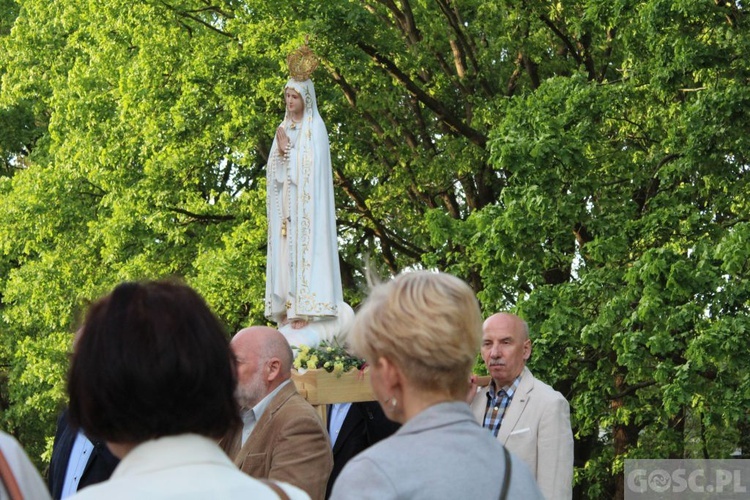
321,388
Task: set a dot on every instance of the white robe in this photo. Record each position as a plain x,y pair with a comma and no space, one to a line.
303,279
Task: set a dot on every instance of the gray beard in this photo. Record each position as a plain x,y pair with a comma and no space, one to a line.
250,395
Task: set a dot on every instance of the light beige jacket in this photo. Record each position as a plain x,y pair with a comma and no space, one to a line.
536,428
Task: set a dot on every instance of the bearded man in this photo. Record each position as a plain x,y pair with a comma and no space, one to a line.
282,438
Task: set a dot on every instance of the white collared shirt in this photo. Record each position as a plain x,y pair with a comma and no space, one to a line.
250,417
337,417
79,457
248,423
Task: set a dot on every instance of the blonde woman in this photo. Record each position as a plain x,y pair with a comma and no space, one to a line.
420,333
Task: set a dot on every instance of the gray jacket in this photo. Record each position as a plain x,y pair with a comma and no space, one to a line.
440,453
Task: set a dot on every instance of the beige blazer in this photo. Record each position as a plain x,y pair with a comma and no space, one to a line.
536,428
289,443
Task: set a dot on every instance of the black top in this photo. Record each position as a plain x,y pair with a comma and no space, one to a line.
99,467
365,424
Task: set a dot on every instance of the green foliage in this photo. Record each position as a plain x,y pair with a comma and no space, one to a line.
584,164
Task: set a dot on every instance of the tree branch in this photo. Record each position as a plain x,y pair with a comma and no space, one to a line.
183,13
404,19
630,390
202,217
456,125
386,237
462,43
565,40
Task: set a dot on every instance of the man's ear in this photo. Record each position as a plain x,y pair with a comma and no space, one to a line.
273,367
526,349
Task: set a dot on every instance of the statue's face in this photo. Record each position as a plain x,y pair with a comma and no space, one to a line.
294,103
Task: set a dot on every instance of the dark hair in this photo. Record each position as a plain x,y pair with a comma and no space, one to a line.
152,360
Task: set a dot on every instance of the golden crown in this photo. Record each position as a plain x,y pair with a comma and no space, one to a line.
302,62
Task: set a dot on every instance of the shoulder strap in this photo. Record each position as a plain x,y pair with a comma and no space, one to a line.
506,477
8,479
276,488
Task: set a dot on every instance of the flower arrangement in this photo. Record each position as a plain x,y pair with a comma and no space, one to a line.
330,357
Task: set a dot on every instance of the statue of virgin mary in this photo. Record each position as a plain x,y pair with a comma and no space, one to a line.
303,279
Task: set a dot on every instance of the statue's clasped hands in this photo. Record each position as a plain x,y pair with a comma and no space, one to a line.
285,144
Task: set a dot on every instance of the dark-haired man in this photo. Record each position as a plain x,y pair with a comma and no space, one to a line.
353,428
76,461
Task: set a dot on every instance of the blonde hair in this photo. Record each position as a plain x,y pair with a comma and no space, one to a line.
428,324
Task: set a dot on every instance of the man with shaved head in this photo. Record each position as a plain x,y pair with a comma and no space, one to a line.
528,416
282,438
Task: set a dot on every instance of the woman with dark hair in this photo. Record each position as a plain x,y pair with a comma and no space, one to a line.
153,376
